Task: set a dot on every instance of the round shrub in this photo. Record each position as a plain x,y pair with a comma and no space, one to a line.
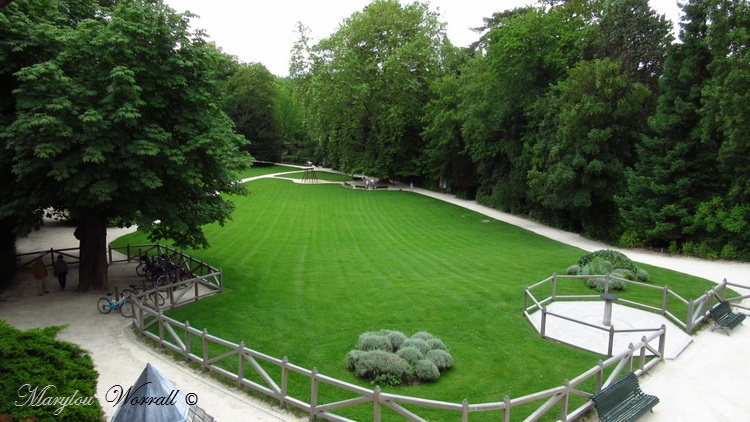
417,343
597,267
442,359
374,341
617,259
599,283
425,370
379,363
623,273
642,275
352,357
423,335
388,357
436,344
410,354
397,338
573,270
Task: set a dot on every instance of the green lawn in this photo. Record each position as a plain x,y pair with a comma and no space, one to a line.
307,268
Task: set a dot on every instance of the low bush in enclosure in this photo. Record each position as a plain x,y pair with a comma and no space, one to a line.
389,357
607,262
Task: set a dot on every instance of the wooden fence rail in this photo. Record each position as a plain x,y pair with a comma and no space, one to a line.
697,309
177,337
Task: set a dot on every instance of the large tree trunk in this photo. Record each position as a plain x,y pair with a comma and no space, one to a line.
92,234
7,253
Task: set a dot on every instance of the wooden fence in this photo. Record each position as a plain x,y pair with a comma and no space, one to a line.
199,347
208,280
697,309
209,276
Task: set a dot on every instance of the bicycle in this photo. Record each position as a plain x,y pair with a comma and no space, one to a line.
105,305
154,297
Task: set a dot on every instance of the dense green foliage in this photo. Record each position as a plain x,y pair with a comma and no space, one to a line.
610,262
251,95
117,120
36,358
583,114
364,87
387,357
307,268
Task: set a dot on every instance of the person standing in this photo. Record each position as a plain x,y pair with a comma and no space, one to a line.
60,270
39,269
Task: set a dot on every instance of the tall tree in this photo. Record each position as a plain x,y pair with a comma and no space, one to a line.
287,109
364,87
30,32
123,124
527,52
250,101
444,156
632,33
589,126
725,217
672,174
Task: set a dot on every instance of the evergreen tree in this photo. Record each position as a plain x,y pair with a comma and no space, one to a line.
674,171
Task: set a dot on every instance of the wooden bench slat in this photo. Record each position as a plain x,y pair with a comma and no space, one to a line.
623,400
724,317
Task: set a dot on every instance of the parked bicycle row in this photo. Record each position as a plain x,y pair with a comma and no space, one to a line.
160,270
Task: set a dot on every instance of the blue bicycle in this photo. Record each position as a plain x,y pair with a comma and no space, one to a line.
106,305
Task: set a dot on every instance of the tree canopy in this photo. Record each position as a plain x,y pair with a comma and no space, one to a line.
250,103
122,123
583,114
364,87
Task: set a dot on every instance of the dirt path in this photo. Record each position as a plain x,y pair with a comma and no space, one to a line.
118,355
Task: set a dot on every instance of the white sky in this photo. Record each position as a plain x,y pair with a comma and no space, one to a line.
265,31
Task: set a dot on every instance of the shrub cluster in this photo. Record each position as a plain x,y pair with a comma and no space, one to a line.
390,358
608,262
36,358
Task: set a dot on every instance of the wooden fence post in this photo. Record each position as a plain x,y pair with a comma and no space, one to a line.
204,363
543,328
599,376
554,286
665,300
465,410
611,340
662,341
643,354
631,347
313,393
376,404
187,341
564,401
506,410
161,330
284,382
606,284
240,364
526,298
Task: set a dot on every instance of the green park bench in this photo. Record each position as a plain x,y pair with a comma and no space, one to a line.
623,400
724,317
